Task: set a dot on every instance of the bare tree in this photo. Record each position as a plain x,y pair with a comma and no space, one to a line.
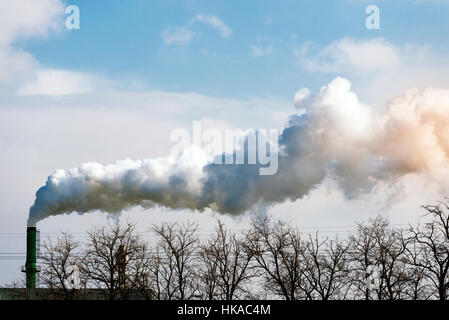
363,243
432,239
390,257
273,254
226,265
418,286
277,250
326,267
141,273
175,256
111,251
60,258
377,244
155,276
208,273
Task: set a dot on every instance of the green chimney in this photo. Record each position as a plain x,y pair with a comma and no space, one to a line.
30,267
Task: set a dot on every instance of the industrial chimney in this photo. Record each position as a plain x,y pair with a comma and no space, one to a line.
30,268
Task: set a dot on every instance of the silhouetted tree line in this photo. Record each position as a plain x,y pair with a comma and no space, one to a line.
271,260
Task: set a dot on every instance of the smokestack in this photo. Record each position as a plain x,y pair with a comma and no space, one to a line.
30,267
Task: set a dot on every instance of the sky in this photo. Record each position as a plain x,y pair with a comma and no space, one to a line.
136,70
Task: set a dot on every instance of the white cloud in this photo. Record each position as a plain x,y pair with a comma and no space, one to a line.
379,69
349,54
214,22
183,35
258,51
15,66
177,36
302,98
29,18
18,20
20,72
58,82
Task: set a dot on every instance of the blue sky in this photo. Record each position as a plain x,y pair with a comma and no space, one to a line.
123,40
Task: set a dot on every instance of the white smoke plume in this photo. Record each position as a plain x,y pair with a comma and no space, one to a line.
336,137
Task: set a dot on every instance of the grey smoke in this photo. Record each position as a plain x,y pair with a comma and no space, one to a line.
336,136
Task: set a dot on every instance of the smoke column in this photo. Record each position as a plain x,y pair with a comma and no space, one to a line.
336,136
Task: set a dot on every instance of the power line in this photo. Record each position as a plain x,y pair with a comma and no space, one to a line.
349,227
